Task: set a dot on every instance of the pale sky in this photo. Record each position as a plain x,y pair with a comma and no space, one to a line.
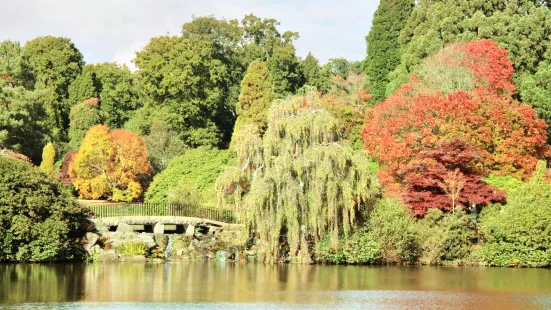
113,30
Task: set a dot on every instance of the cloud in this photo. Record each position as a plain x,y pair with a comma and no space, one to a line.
106,30
126,55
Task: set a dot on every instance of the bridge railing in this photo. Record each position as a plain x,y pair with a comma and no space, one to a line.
161,209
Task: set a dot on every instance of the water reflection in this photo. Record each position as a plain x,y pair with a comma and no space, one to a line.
229,283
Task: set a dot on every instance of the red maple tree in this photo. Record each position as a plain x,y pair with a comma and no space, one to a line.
427,179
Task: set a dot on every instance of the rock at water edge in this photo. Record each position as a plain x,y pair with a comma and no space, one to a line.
91,240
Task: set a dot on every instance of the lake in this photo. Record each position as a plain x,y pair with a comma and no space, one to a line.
198,285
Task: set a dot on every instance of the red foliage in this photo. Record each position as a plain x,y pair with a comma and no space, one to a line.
426,178
506,135
63,175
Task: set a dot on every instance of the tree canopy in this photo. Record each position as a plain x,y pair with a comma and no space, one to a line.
53,63
298,179
520,27
257,93
111,165
464,92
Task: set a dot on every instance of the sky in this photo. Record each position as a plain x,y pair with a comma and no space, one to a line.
113,30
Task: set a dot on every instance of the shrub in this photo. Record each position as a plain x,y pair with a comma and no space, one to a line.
519,233
189,176
39,220
356,248
446,237
48,159
132,248
392,226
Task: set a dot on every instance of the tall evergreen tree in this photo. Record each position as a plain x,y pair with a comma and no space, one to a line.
314,74
257,92
85,86
383,47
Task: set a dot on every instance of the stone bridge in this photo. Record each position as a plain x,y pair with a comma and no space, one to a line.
165,224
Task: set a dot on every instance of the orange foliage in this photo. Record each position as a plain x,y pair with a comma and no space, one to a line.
130,154
111,165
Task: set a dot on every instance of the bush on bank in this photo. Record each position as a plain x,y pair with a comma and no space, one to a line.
39,219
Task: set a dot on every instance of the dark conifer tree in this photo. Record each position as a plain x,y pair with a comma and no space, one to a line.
383,47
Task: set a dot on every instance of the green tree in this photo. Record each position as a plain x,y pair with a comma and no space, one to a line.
22,120
520,27
195,77
48,159
193,88
83,116
262,40
11,65
53,64
341,67
536,90
163,144
383,46
285,70
298,178
118,93
85,86
40,220
314,74
257,92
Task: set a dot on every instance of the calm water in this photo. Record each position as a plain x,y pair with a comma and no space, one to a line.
238,286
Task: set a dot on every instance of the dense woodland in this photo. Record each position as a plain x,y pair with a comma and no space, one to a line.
434,149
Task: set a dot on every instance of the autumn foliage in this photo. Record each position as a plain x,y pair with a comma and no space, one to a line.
63,175
464,93
111,165
445,177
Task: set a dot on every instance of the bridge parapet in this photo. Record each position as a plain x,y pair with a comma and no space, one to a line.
143,210
156,224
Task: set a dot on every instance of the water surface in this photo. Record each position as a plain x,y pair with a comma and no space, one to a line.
238,285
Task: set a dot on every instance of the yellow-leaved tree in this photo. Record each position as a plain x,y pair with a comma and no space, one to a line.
110,165
48,158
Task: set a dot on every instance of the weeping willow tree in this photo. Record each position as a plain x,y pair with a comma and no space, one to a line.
298,179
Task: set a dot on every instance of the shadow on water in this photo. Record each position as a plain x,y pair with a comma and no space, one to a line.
235,283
